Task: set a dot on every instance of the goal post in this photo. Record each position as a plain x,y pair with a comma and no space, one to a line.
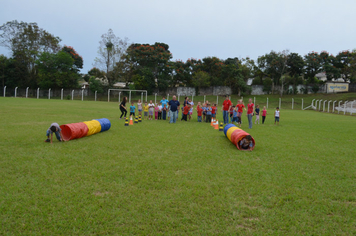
127,90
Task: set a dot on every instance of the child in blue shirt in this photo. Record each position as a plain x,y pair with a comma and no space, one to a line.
132,109
234,116
208,113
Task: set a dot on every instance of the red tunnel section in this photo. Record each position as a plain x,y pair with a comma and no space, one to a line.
237,136
74,131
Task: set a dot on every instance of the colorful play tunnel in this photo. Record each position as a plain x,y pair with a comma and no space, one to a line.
236,135
86,128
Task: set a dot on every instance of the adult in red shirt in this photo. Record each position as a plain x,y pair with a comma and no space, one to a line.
225,109
250,106
240,106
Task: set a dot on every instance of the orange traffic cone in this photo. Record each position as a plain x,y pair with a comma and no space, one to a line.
212,122
217,125
131,121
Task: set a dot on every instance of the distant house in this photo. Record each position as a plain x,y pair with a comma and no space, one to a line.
83,84
119,85
322,76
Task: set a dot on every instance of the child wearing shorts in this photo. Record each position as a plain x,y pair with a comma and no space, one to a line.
132,110
151,109
145,111
139,107
213,111
276,116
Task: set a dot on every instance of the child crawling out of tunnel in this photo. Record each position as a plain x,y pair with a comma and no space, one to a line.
246,143
54,128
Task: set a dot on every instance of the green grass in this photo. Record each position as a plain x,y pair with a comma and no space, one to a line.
155,178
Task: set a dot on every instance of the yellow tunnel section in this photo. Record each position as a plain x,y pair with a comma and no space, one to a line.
93,127
230,131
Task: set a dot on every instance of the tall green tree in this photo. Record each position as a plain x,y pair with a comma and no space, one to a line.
27,41
111,50
274,66
295,64
56,71
150,62
312,65
78,60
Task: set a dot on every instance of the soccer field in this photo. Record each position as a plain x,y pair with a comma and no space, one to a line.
156,178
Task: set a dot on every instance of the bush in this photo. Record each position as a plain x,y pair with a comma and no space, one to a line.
315,88
267,85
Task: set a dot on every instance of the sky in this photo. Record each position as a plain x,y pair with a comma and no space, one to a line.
194,29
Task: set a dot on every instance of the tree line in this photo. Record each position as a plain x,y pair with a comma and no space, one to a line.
38,60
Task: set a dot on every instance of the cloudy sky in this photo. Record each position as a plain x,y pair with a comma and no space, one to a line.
195,28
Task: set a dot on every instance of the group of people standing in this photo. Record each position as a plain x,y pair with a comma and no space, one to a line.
235,112
158,111
205,112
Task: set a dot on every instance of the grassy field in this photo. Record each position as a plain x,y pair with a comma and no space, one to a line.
156,178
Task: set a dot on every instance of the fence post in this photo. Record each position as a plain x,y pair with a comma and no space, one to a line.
27,92
4,91
38,93
49,93
15,91
82,94
338,111
352,104
334,106
329,105
292,103
61,94
72,94
95,95
324,105
204,98
130,97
